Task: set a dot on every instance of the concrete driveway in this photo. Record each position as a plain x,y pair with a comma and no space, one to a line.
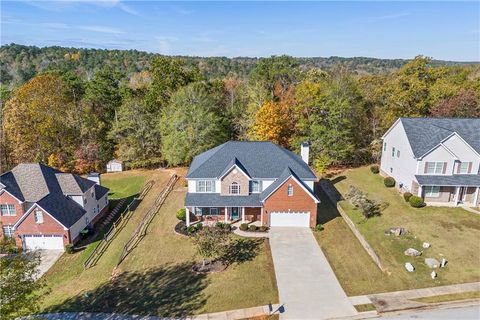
307,286
47,260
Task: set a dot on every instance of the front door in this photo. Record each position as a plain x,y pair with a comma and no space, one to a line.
235,213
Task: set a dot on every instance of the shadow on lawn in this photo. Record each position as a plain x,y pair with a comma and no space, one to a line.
170,291
241,250
326,209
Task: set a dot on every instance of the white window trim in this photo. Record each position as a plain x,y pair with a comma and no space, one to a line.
259,184
435,167
460,167
7,211
234,186
11,231
40,214
290,190
208,186
429,191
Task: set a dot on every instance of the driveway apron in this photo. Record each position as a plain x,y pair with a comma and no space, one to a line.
307,286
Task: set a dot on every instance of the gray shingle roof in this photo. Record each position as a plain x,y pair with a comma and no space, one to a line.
217,200
466,180
37,183
261,159
426,133
287,173
100,191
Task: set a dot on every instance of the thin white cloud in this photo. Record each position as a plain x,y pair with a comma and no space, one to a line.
101,29
55,25
61,5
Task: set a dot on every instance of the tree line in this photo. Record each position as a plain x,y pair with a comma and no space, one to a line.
171,111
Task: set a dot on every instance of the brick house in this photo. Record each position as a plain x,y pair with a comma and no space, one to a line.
437,159
44,208
252,181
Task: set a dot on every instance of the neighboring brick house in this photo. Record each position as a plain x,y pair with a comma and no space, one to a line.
43,208
252,181
437,159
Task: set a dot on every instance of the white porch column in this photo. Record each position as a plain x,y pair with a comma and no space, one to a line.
261,215
457,194
226,214
243,214
187,216
420,191
475,201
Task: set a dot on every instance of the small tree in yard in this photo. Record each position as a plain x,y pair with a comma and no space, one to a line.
18,287
368,207
209,243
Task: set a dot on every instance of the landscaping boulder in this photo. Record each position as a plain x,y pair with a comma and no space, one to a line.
443,263
426,245
433,274
412,252
409,267
432,263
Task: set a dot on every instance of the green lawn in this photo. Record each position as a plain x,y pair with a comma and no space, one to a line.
124,184
450,297
452,232
155,279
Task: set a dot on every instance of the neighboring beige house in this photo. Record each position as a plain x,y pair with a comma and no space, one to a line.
115,165
435,158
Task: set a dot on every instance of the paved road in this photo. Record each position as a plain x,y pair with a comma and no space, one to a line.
464,313
306,283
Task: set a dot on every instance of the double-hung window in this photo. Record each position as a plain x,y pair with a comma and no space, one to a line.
290,190
8,210
432,191
234,188
464,167
205,186
8,231
435,167
255,186
393,151
38,216
384,146
398,153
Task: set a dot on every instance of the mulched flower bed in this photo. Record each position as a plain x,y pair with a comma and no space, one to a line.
210,267
181,229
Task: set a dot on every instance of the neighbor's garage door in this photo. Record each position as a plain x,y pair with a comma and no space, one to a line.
290,219
48,242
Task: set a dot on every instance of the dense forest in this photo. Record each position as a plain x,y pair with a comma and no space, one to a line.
76,109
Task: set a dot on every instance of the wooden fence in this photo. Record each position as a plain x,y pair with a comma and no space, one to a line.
141,230
116,227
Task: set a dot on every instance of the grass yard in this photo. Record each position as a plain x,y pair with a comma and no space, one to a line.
155,279
452,232
450,297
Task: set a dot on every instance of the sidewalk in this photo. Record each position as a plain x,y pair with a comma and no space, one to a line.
399,300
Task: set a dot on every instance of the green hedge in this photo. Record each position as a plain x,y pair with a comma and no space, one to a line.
416,202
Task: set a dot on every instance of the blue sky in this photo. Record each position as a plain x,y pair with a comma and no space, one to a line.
442,30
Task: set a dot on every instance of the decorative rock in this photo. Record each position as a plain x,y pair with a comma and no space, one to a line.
397,231
426,245
443,263
412,252
432,263
433,274
409,267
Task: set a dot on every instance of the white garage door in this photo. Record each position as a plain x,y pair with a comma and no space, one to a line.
290,219
48,242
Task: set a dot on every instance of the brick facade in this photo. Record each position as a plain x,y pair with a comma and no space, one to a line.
6,198
301,201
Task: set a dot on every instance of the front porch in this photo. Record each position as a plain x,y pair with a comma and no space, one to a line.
450,195
212,215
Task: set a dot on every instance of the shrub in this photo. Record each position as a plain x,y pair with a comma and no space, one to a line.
69,248
416,202
319,227
252,227
375,169
7,245
191,229
198,226
407,196
227,227
263,228
182,214
244,227
389,182
219,224
359,200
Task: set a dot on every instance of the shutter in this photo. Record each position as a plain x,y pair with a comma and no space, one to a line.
426,167
469,167
444,168
459,164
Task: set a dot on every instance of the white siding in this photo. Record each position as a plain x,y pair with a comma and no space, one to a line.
266,183
403,167
440,154
192,186
309,184
77,227
77,199
463,152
